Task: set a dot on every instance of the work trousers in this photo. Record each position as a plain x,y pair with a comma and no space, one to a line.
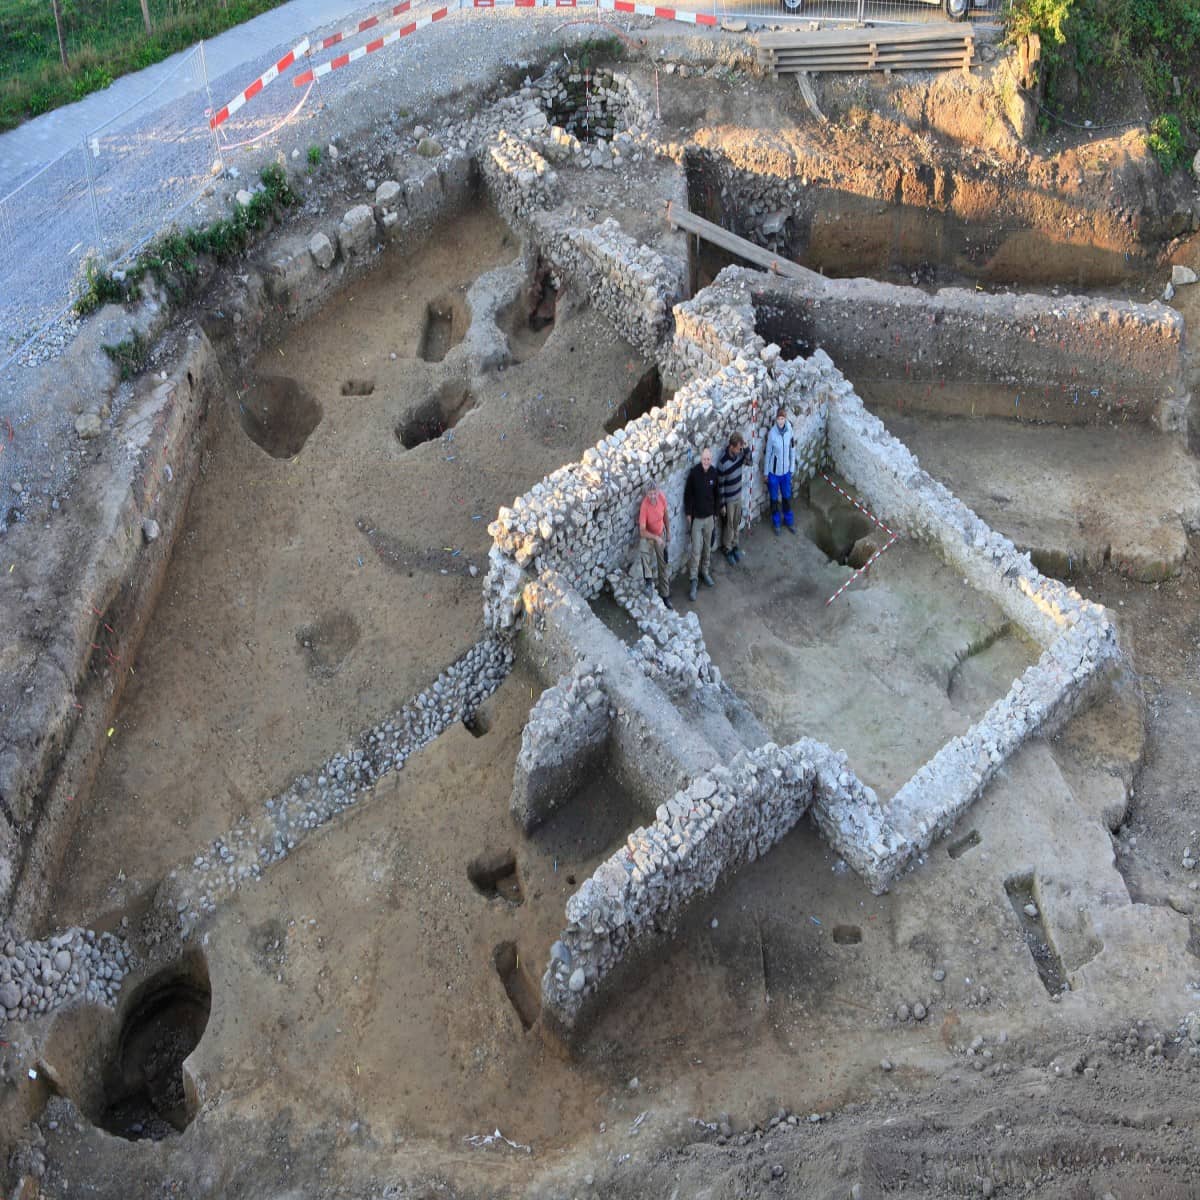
654,566
730,524
702,532
779,488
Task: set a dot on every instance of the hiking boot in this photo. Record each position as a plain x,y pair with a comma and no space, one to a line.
692,589
667,601
707,580
731,557
737,554
775,530
791,529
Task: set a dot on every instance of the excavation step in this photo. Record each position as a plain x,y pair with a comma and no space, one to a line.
1074,498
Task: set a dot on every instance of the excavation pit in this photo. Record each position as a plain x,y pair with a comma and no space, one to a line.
445,326
384,1013
430,419
1022,895
915,225
519,985
279,415
494,875
647,394
139,1092
529,319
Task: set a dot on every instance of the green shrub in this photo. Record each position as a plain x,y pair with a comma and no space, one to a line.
314,157
1165,141
1154,41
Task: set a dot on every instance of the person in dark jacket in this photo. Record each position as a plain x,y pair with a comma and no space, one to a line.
700,503
729,491
779,462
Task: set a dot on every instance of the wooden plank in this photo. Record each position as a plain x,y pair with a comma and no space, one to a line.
914,65
682,219
889,57
851,37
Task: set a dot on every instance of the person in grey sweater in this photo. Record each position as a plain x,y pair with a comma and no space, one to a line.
729,494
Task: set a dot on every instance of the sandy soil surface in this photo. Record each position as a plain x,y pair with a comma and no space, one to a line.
875,673
312,594
1121,502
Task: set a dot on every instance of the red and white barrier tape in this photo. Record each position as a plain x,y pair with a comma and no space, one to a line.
257,86
892,537
303,48
344,60
651,10
362,26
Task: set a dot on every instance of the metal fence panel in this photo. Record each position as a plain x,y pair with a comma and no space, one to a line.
47,229
859,11
151,161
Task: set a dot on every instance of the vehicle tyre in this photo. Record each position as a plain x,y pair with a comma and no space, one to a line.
957,10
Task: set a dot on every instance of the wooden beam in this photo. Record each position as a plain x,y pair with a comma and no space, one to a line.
680,218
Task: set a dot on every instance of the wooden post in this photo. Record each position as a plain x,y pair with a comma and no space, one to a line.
62,45
146,17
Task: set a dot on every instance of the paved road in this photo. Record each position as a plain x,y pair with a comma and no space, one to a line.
24,149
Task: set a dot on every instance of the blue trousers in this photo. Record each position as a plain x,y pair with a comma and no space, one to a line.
779,488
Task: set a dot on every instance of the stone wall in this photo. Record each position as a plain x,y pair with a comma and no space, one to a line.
581,520
1079,640
241,855
671,649
1070,360
725,818
561,744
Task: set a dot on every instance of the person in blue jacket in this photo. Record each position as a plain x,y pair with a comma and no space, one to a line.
779,462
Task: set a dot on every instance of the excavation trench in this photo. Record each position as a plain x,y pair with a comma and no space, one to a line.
911,224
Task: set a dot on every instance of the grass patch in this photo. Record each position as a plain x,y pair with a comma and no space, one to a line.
104,38
173,260
1157,42
131,355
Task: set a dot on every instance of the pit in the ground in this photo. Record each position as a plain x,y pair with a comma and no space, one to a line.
433,416
144,1094
494,874
445,326
278,415
529,319
520,985
647,394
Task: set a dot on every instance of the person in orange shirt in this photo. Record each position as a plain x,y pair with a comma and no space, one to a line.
655,528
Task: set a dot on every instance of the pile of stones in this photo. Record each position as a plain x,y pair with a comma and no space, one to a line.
37,976
671,649
723,819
